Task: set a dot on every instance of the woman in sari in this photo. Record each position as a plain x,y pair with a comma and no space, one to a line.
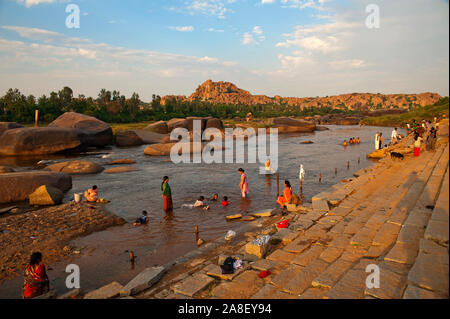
36,282
287,193
166,195
243,184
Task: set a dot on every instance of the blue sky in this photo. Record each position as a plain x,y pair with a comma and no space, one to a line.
284,47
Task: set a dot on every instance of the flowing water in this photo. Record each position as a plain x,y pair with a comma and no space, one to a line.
105,258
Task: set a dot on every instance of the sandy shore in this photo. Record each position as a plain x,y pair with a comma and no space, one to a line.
48,230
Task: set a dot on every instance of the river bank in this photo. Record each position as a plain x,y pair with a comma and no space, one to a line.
393,216
48,230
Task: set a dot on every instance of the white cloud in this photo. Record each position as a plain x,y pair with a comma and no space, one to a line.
215,30
256,36
29,3
87,66
183,28
215,8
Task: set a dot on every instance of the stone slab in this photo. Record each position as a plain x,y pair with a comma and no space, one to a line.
308,256
437,231
192,284
281,255
142,281
331,275
320,206
215,271
109,291
286,275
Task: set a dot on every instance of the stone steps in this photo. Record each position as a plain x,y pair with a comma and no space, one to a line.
337,248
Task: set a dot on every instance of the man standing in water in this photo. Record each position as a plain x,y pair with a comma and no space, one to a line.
243,184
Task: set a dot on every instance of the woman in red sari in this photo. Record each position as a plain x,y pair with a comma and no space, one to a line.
36,282
287,193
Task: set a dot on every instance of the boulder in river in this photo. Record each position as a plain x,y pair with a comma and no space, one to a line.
128,138
98,133
121,169
4,126
75,167
152,137
122,161
46,195
176,122
16,187
291,125
160,127
42,140
214,123
164,149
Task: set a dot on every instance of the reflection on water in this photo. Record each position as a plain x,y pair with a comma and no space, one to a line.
168,236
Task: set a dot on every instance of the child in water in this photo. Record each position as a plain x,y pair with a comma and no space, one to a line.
225,201
142,220
200,203
214,198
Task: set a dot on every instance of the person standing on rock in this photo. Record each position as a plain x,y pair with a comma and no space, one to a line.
417,143
36,282
243,184
166,195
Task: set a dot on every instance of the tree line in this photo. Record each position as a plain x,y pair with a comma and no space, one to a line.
113,107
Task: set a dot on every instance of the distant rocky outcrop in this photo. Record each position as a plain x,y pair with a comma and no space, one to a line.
229,93
97,133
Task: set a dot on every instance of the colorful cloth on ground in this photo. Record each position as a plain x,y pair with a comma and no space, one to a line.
91,195
35,281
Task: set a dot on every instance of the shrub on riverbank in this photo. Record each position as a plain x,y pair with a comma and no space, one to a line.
421,113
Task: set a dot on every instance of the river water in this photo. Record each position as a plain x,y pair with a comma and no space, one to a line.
104,257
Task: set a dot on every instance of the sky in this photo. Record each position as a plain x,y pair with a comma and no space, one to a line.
299,48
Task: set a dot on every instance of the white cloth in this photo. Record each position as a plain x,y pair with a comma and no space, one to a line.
394,134
301,174
198,203
377,141
418,142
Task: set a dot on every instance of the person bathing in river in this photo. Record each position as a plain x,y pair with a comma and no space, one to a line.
380,140
358,141
166,195
214,198
269,169
243,186
287,193
36,282
142,220
91,194
345,143
200,203
225,201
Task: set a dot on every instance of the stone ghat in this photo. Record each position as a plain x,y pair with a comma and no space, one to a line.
49,231
393,216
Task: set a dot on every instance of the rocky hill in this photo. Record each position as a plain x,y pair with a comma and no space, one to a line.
229,93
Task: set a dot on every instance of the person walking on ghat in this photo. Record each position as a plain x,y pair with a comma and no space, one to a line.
166,195
243,183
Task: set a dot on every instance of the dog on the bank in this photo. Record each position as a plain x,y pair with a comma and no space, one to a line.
397,155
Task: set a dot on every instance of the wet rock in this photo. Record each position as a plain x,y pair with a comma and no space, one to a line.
43,140
122,169
16,187
152,137
164,149
98,133
75,167
46,195
6,169
122,161
160,127
128,138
